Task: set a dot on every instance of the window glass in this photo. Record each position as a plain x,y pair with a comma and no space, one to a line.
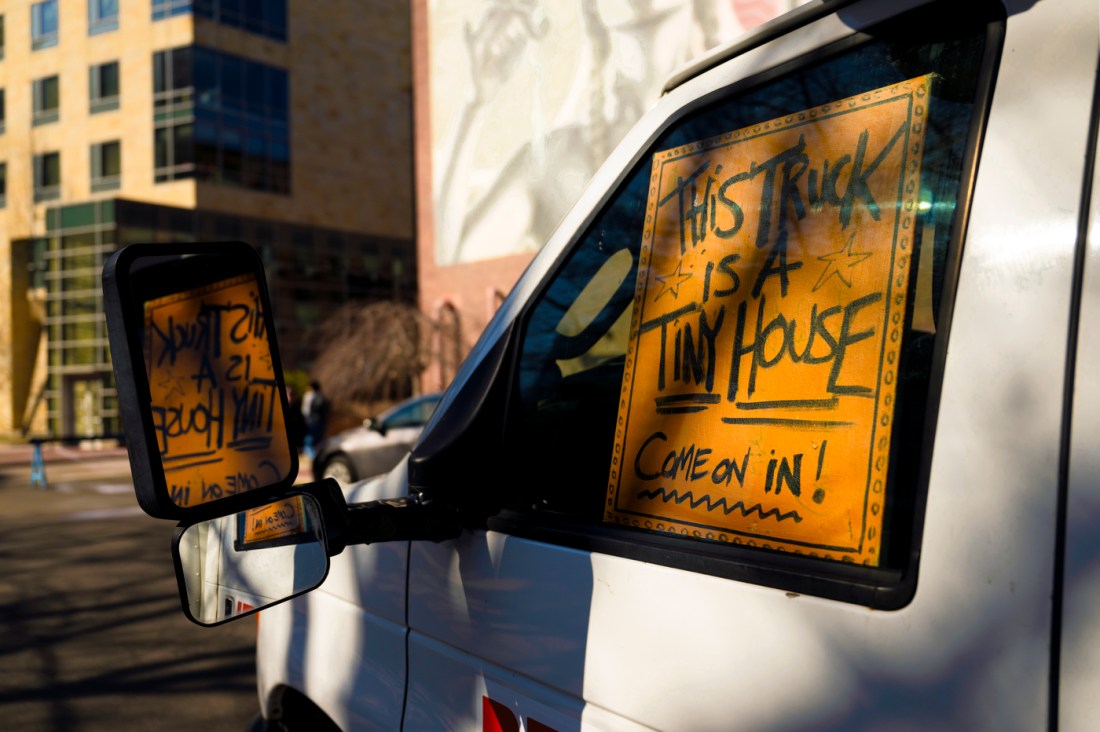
240,115
106,158
410,415
232,78
47,176
738,349
103,89
173,114
1,36
206,75
102,16
3,111
46,97
264,17
3,184
181,67
167,8
44,24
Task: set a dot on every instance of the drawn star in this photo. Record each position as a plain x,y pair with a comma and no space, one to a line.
671,282
839,262
173,381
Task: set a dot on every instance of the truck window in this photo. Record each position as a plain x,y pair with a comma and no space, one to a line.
738,354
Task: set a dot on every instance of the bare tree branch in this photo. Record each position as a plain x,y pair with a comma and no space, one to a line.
374,352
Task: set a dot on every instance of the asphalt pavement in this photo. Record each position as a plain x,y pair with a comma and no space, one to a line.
91,632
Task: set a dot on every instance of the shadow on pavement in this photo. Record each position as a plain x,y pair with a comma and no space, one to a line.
91,633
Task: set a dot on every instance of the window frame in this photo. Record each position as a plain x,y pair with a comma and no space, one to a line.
163,9
40,114
99,181
885,588
173,112
40,37
100,21
44,191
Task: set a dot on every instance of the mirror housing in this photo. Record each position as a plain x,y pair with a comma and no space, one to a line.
200,385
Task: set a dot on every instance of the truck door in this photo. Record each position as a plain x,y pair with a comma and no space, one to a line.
1078,635
779,407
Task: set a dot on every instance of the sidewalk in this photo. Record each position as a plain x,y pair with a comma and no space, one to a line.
53,452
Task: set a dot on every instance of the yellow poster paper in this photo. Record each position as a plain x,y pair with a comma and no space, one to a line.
216,410
758,394
275,521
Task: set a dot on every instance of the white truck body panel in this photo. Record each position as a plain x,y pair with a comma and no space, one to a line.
571,639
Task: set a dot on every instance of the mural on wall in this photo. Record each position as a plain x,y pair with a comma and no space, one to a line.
528,97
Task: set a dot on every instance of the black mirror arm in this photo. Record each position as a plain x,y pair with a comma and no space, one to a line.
400,519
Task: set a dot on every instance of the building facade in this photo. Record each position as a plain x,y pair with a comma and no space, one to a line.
281,123
517,105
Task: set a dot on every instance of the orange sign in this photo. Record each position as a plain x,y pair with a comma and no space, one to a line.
275,521
758,395
216,410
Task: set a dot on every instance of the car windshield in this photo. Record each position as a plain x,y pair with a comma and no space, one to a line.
413,413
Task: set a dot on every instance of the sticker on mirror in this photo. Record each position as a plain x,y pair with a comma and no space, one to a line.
216,411
758,395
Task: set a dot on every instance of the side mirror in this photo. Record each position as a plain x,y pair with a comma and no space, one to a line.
240,563
199,381
203,404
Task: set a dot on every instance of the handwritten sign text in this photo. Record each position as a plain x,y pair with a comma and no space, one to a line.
216,410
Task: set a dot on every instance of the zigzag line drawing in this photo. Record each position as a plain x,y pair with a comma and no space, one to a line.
712,505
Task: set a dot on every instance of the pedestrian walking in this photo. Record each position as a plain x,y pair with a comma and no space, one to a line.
315,410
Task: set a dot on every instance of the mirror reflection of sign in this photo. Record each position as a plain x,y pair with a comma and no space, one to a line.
216,409
275,521
759,388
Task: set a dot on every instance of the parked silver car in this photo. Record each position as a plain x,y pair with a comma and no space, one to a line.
378,445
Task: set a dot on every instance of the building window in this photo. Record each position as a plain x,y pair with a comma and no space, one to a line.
3,185
1,36
46,100
168,8
44,24
263,17
3,111
106,166
102,16
80,396
173,115
103,87
221,118
47,177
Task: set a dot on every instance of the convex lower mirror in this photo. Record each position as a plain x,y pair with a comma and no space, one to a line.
240,563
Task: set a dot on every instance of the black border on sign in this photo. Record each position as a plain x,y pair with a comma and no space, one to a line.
663,158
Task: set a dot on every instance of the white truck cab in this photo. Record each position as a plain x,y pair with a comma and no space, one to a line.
790,425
